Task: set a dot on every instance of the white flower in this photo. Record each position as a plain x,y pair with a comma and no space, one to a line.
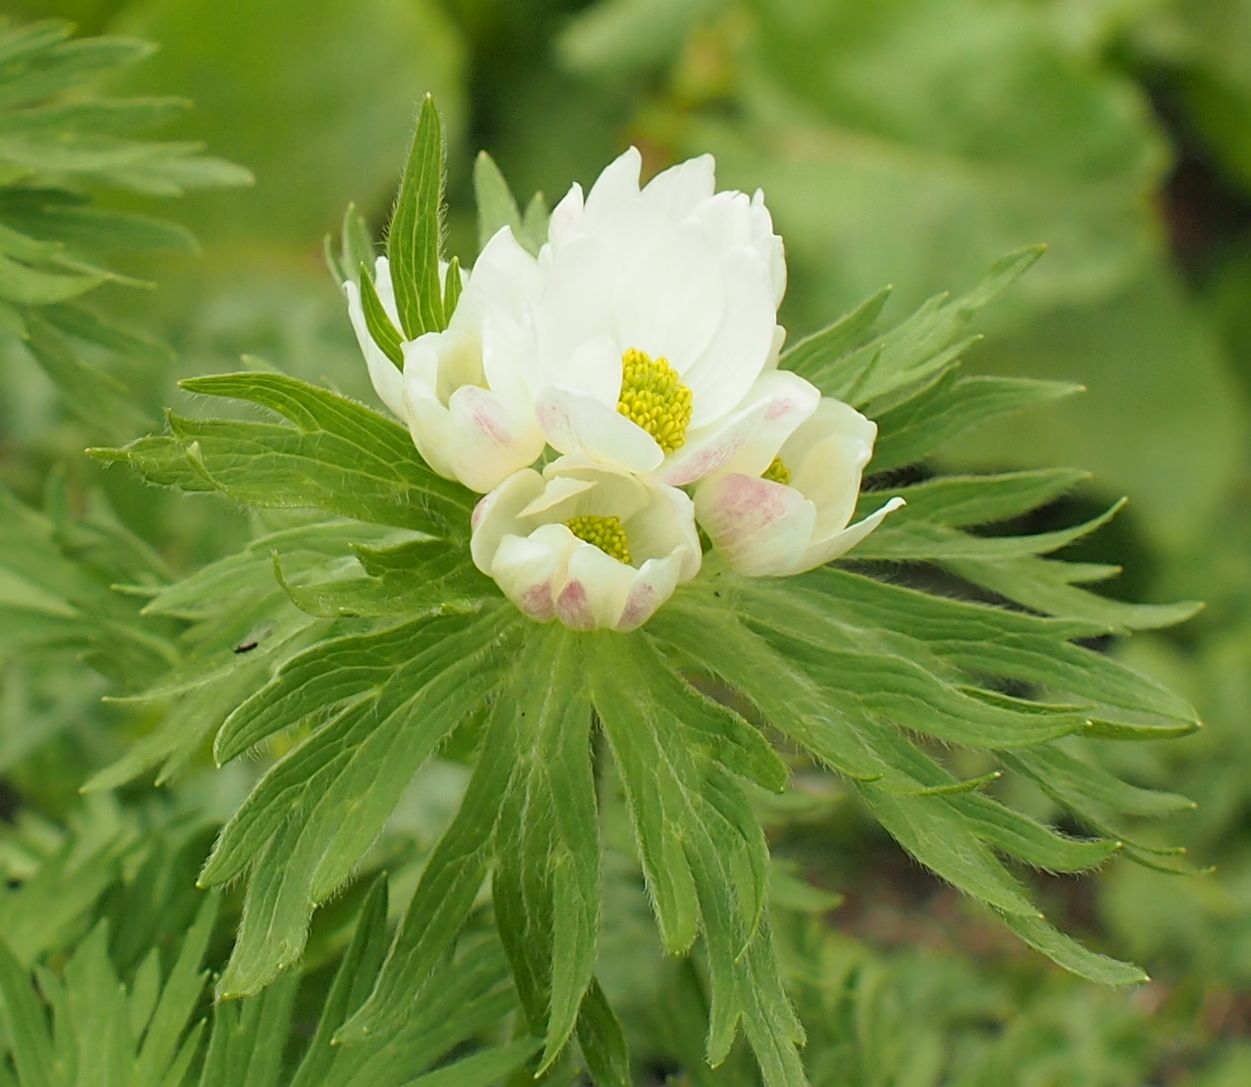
592,546
792,515
653,344
464,400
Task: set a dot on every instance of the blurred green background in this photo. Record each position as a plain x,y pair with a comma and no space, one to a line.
904,142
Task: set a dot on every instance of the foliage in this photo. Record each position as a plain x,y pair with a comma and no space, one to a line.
962,690
846,668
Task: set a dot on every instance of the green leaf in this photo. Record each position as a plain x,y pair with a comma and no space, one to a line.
932,832
177,1002
377,321
339,457
351,985
546,884
785,697
603,1041
356,249
1068,953
919,347
819,352
409,579
496,206
449,884
702,851
962,500
25,1024
952,406
361,760
415,238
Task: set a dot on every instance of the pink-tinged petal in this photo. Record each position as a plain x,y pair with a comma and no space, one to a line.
761,528
498,514
387,380
577,424
573,608
831,547
747,440
488,438
595,594
652,585
527,570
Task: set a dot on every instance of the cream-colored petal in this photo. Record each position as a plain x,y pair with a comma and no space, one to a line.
761,528
498,514
652,585
578,424
665,526
383,373
827,456
613,490
559,494
827,548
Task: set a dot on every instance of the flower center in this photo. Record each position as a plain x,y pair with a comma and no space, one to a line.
653,396
606,533
777,472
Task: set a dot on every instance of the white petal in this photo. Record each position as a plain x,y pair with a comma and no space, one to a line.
386,290
830,547
671,301
761,528
677,191
615,187
505,278
383,373
498,514
737,353
747,440
565,222
578,424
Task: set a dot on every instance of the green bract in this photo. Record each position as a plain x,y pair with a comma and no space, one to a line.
358,641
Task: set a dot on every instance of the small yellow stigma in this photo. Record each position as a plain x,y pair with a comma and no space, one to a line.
653,396
606,533
777,472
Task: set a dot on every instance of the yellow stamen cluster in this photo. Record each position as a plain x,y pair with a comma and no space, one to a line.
606,533
777,472
653,396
